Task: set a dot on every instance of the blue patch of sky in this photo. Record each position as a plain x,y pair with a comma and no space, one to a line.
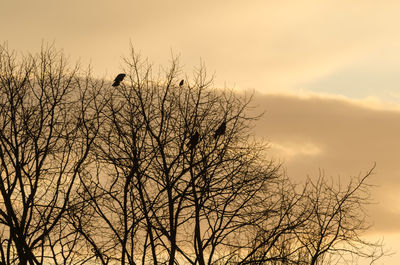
361,82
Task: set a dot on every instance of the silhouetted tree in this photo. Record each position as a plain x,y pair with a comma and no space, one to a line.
153,197
90,175
43,148
156,201
337,221
323,224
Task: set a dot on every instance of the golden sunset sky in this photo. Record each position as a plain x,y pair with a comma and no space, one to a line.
326,73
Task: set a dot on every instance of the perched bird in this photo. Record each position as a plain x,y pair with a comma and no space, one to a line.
181,83
118,79
221,130
194,140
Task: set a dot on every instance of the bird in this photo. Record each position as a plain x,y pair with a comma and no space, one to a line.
194,140
118,79
181,83
221,130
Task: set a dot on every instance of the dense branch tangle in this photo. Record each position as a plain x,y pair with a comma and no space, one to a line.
151,169
41,149
175,201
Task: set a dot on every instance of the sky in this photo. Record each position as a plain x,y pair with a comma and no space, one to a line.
325,72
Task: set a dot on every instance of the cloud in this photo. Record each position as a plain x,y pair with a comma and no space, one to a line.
289,150
339,137
267,45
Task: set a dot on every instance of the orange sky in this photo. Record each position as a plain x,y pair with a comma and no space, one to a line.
341,138
326,72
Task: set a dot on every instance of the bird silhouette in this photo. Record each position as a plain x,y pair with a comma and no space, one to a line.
194,140
181,83
118,79
221,130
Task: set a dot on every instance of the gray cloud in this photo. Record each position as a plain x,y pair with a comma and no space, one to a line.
340,138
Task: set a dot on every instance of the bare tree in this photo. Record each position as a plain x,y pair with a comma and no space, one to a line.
337,222
149,169
161,194
179,179
42,150
322,224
